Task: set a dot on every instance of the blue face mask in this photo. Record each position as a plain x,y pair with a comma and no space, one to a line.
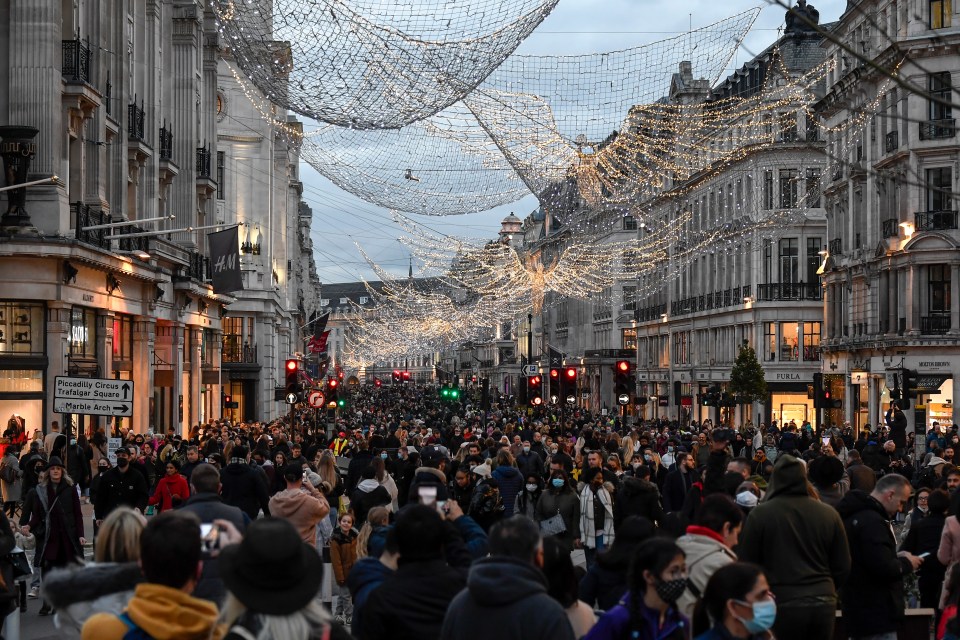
384,455
764,614
557,482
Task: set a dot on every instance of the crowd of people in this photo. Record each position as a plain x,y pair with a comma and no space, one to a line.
407,516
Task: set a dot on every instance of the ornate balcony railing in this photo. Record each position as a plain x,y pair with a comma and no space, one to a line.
166,143
936,325
938,129
76,60
935,220
892,141
236,352
136,119
85,216
777,291
891,228
203,162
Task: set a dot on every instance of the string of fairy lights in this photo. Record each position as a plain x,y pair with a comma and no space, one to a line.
594,143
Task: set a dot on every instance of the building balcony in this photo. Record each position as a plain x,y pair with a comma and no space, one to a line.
76,60
136,118
203,162
938,129
836,247
935,220
779,291
892,141
935,325
166,143
891,228
85,216
236,353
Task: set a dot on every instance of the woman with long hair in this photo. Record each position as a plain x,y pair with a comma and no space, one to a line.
273,579
56,513
105,585
606,579
386,481
658,577
372,536
562,587
737,603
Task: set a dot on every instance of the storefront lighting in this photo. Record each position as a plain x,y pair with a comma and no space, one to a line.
908,228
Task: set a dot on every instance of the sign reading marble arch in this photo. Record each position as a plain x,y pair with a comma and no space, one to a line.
93,396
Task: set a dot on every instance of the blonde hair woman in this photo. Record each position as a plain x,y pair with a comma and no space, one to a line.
377,518
104,586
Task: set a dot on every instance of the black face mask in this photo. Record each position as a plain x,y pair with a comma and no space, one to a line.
122,463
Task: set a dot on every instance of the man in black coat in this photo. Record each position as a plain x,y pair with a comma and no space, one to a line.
244,486
205,502
411,603
637,496
678,483
361,460
120,486
506,595
872,598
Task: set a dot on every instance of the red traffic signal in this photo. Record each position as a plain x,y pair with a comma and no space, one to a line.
623,366
333,382
292,376
535,381
536,401
292,365
571,373
377,382
396,375
555,373
406,375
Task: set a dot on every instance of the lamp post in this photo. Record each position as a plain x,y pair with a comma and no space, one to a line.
17,148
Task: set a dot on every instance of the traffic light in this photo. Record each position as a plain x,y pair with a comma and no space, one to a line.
396,376
535,390
449,393
333,391
292,376
908,386
554,383
622,380
818,399
406,376
712,398
570,374
377,383
228,402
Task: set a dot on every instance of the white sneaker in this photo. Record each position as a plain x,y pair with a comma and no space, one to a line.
34,593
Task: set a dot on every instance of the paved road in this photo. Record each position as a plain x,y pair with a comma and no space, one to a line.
35,627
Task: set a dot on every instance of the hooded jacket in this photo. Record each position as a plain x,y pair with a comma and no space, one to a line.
366,575
163,612
788,518
78,592
505,598
367,495
303,511
637,497
705,555
510,481
872,598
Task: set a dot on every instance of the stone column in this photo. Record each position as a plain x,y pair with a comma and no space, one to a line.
883,299
183,108
105,339
954,301
58,351
893,302
873,398
194,344
33,98
144,338
827,312
178,390
913,291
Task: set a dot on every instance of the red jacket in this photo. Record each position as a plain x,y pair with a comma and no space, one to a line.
167,488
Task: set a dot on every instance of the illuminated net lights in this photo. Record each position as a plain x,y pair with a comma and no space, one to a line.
372,64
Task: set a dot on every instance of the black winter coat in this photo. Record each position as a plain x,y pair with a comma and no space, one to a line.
637,498
245,487
116,489
872,598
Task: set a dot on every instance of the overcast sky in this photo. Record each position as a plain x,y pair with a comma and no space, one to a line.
574,27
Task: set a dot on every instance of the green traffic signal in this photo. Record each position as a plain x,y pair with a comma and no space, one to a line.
454,393
341,402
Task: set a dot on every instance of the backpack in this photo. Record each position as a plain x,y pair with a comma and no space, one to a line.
134,632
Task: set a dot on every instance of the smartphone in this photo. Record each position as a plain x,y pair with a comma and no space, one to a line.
428,495
826,440
209,537
924,554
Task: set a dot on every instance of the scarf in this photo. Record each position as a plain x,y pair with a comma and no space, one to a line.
588,528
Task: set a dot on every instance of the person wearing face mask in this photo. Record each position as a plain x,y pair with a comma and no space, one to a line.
528,462
528,497
120,486
596,514
737,603
560,499
658,577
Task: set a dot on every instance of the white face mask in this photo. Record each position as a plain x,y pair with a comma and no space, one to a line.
531,488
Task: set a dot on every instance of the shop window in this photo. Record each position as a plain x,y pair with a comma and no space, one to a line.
628,339
83,333
789,341
122,340
811,341
21,329
769,341
938,189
